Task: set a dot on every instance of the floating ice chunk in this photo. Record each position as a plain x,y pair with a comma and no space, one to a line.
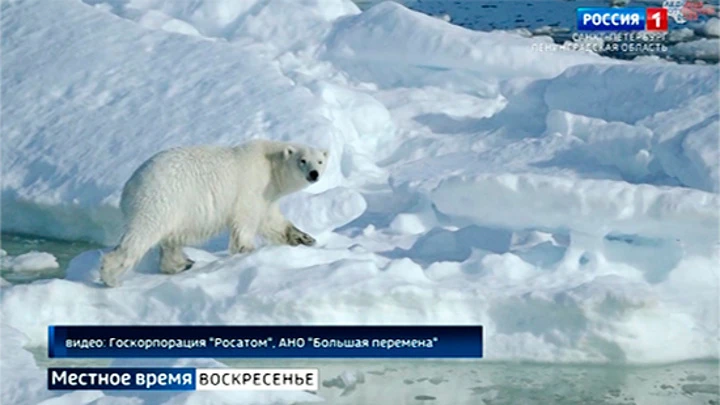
443,17
347,381
705,49
680,35
31,261
711,28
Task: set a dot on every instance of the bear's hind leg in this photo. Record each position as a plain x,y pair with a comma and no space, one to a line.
124,256
112,266
172,258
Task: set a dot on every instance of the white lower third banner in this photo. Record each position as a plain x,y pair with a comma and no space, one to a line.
261,379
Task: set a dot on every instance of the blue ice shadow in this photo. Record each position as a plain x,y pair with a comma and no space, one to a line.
442,245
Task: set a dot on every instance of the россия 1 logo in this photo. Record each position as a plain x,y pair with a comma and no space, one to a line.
622,19
641,19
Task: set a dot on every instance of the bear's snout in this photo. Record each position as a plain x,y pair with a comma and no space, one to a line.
313,175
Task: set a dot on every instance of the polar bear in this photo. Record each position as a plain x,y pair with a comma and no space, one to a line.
186,195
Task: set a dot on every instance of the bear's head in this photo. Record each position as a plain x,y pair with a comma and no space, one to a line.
309,162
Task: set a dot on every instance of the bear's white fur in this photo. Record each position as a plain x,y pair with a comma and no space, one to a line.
186,195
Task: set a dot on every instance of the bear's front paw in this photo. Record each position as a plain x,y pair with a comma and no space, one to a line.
239,249
297,237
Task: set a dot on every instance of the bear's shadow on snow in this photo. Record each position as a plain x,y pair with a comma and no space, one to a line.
217,243
442,245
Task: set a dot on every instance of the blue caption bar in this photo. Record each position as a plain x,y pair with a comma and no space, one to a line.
266,341
610,19
141,379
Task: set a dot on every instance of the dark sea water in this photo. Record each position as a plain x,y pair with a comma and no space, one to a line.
63,251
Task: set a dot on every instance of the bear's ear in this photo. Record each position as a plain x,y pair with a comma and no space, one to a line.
288,152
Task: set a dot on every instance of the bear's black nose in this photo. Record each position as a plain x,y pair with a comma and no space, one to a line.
313,175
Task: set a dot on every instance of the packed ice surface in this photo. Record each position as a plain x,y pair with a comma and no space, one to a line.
566,202
702,49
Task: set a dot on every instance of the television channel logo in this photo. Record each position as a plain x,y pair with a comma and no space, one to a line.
622,19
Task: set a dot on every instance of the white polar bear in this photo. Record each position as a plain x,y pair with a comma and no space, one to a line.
186,195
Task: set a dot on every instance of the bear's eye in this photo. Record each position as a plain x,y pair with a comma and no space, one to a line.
320,162
303,161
